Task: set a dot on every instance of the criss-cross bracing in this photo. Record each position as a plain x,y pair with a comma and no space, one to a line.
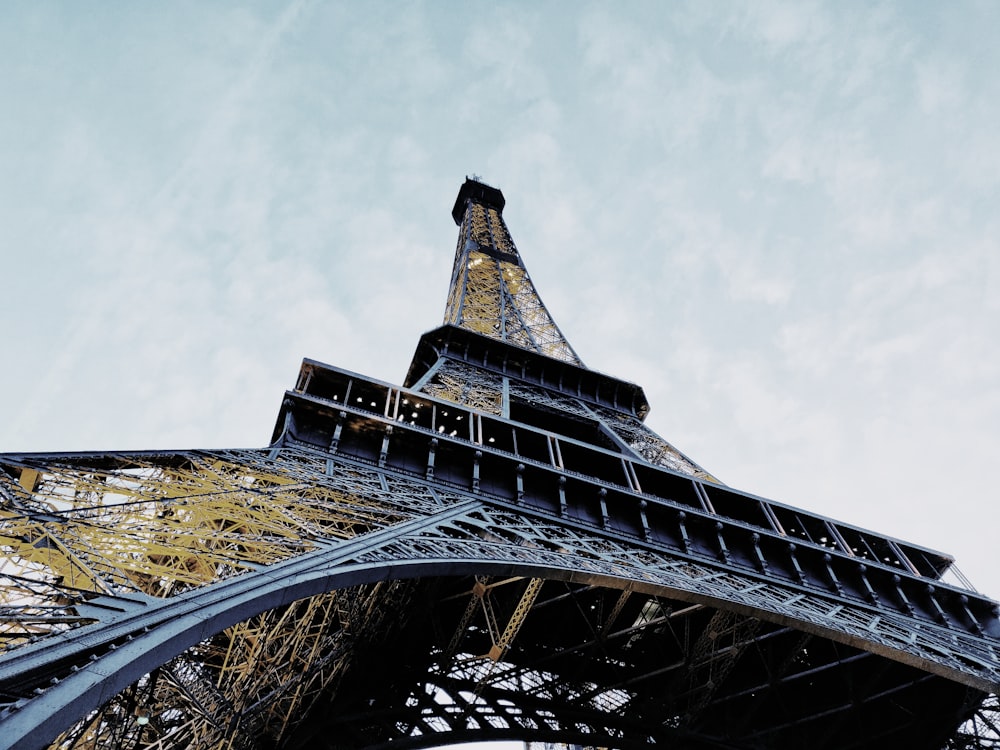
498,548
491,292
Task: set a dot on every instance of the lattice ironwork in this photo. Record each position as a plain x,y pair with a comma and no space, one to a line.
646,443
461,384
158,525
502,550
982,730
491,292
253,681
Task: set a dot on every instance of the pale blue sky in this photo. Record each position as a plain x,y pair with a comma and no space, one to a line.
780,219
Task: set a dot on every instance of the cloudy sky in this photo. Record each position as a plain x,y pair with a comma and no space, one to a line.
780,219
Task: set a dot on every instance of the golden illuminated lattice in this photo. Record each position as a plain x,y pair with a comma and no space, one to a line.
161,525
254,680
491,292
467,386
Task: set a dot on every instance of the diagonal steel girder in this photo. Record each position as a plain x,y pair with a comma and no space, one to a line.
90,665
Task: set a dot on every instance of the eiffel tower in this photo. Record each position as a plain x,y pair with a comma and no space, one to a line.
498,549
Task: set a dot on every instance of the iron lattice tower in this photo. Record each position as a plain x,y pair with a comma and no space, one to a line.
498,549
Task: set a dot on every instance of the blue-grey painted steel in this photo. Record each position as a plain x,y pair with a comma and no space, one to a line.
544,472
138,639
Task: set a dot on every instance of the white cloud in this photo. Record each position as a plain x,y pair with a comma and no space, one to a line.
940,85
781,25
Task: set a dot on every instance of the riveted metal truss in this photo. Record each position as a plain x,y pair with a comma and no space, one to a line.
491,292
328,546
982,730
501,549
465,384
157,525
468,386
629,430
646,443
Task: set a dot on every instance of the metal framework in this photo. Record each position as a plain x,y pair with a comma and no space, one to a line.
497,549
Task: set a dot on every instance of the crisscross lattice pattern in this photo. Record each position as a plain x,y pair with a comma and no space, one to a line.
491,292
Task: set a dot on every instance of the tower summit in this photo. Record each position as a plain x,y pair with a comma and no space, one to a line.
490,291
498,548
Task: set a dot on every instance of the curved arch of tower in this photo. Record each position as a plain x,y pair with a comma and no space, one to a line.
498,548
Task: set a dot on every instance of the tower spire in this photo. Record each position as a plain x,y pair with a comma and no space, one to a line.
500,352
491,292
